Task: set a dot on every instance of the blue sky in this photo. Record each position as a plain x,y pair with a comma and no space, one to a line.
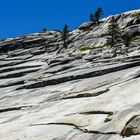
19,17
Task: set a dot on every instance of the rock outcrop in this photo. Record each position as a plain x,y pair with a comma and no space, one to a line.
89,91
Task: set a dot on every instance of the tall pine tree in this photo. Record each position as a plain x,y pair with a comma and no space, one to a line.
97,15
65,35
127,39
91,17
114,32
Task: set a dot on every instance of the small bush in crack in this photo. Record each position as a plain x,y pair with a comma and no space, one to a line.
107,120
44,30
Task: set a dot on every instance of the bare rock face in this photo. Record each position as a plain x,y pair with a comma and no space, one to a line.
88,91
132,127
86,25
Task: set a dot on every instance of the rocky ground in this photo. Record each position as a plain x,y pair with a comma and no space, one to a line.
88,91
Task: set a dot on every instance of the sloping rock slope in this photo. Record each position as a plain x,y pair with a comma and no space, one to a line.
84,92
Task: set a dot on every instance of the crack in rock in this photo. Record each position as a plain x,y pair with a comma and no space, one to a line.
13,109
19,74
83,95
97,112
83,76
12,84
18,68
78,128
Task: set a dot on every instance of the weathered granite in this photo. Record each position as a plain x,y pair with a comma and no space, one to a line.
51,93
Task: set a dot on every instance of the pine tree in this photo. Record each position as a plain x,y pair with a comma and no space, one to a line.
127,39
44,30
114,32
97,15
91,17
65,35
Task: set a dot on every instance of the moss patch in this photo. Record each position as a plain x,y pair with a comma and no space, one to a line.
85,48
135,38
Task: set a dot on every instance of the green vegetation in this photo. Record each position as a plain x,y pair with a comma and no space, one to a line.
123,53
114,32
87,30
127,39
44,30
65,35
135,38
107,120
85,48
96,16
91,17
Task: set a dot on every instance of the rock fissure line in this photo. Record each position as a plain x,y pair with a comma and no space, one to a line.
18,68
84,95
83,76
109,113
12,84
78,128
13,109
19,74
97,112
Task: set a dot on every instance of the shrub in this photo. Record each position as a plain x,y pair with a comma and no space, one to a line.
97,15
114,32
91,17
107,120
127,39
44,30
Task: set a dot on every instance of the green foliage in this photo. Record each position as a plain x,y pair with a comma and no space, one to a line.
65,35
114,32
91,17
135,38
85,48
127,39
44,30
107,120
97,15
123,53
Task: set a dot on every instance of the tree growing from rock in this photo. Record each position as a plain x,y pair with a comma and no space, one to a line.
97,15
127,39
91,17
44,30
114,32
65,35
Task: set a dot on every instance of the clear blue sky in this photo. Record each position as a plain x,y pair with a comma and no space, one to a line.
19,17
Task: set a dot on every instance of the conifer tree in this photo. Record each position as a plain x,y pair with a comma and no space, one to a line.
127,39
44,30
65,35
97,15
91,17
114,32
